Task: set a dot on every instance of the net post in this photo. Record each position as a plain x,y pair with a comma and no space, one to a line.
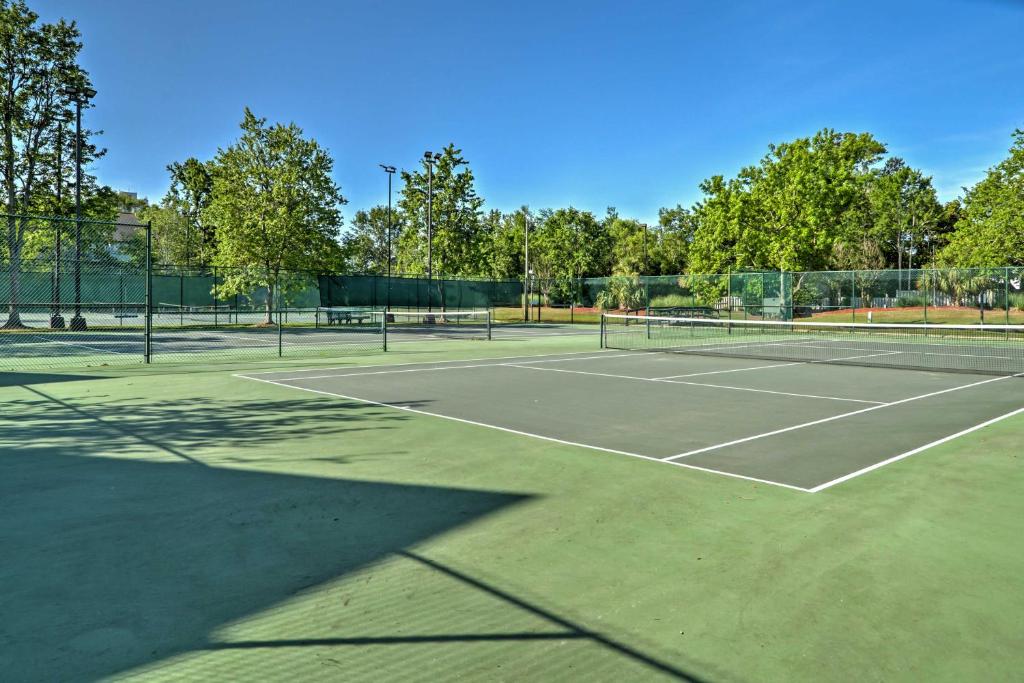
853,296
601,333
147,343
927,295
215,296
1006,295
384,328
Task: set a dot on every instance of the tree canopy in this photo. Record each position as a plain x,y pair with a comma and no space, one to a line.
275,207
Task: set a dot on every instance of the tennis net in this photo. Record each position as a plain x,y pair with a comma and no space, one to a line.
986,349
437,324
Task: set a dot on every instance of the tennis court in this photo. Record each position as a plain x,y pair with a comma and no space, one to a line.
804,425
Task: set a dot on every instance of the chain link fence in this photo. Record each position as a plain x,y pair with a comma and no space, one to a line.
84,293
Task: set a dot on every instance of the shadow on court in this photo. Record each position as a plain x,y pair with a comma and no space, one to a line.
112,564
123,549
21,379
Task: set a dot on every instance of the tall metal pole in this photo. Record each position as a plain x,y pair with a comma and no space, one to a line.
526,267
147,343
645,248
78,322
430,228
56,319
390,170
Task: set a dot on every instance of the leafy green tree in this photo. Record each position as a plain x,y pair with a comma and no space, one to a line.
189,196
904,210
457,247
629,248
670,246
566,245
503,244
789,210
275,208
38,64
366,242
990,231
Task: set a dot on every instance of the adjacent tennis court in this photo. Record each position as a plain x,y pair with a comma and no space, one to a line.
804,425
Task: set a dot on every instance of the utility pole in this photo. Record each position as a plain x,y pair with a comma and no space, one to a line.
526,266
390,170
430,158
645,248
56,319
80,97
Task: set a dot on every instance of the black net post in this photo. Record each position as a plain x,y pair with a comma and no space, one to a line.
1006,293
853,296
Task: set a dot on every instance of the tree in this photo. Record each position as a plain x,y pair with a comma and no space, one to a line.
366,242
276,208
990,231
629,251
904,210
789,210
503,244
669,250
37,67
189,195
565,246
457,247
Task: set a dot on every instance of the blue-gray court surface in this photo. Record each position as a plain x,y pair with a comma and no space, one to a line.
804,426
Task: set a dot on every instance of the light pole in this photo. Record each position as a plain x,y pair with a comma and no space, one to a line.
56,319
390,170
644,225
430,158
526,266
80,96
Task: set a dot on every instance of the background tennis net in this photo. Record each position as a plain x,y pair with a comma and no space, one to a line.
987,349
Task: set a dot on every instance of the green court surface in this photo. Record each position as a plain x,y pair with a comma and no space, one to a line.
521,509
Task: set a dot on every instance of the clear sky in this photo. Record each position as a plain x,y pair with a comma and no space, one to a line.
589,103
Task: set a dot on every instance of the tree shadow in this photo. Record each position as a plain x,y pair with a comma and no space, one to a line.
111,564
118,425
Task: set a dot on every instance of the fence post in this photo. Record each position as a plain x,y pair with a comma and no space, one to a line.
147,344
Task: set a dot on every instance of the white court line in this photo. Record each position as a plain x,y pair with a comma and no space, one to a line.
603,354
693,384
786,365
528,434
91,348
901,456
838,417
446,367
720,372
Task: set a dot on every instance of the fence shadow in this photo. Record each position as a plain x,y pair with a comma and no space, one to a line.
112,564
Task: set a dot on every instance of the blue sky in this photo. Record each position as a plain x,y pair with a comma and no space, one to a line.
589,103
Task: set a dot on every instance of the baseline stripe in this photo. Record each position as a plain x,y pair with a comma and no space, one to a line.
901,456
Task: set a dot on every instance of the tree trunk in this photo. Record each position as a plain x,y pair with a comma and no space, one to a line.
14,268
270,304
